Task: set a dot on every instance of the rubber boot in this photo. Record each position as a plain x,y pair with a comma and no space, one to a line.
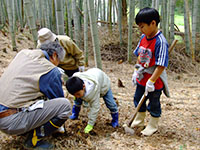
115,118
34,139
151,127
139,120
75,112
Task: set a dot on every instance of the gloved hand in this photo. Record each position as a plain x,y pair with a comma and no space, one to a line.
134,77
81,68
88,128
149,87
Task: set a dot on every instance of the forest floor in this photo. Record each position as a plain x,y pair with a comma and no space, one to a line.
179,125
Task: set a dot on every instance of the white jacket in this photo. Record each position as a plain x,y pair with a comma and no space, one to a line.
101,86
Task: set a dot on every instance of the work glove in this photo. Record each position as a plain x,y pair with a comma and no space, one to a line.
134,77
81,68
149,87
88,128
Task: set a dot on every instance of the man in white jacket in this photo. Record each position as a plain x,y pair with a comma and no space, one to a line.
89,86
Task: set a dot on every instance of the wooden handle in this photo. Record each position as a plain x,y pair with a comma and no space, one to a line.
172,45
137,109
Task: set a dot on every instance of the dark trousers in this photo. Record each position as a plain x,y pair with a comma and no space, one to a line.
153,106
69,73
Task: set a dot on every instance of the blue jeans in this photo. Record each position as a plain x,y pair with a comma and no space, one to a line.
108,99
153,106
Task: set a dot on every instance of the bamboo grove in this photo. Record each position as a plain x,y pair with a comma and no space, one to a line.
71,17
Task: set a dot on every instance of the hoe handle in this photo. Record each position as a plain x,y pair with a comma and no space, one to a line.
172,45
137,109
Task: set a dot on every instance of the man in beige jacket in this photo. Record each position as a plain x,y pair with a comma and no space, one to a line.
29,80
74,59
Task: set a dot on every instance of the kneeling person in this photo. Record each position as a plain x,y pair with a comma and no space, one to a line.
31,76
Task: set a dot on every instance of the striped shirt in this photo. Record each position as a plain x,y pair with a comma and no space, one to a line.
152,52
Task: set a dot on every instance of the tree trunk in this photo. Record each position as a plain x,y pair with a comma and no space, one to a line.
172,8
110,16
14,12
94,32
69,16
194,23
59,17
157,5
124,15
53,17
76,23
11,28
130,28
189,46
104,10
85,32
164,17
119,3
31,20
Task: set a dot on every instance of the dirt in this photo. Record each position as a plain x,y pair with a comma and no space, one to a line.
179,125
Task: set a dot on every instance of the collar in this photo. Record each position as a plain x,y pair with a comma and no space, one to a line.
46,54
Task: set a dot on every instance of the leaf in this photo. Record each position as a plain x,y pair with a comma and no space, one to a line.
120,84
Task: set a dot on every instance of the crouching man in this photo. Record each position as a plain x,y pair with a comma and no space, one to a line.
30,79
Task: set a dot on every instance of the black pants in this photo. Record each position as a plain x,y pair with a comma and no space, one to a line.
154,106
69,73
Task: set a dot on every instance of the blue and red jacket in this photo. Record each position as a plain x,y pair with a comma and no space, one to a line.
153,52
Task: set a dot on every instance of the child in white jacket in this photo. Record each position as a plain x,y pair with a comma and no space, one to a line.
89,86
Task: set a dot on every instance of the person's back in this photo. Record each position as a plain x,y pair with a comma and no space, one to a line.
74,56
22,96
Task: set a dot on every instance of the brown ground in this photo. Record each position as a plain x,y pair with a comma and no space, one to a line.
179,126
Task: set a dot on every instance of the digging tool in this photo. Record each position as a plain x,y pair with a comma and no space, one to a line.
127,126
172,45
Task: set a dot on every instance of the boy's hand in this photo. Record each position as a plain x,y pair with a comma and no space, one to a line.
88,128
149,87
134,77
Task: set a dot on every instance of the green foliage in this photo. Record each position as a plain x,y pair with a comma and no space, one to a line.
179,6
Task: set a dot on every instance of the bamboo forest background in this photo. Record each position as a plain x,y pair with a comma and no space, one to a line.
76,18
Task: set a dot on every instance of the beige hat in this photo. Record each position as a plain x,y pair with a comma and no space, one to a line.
45,36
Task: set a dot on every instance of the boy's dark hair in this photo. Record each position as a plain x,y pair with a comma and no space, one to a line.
74,84
147,15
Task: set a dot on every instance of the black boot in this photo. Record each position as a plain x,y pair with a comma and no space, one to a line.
34,138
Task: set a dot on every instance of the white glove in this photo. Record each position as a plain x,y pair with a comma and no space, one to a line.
81,68
134,77
149,87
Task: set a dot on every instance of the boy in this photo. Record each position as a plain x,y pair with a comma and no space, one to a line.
89,86
149,75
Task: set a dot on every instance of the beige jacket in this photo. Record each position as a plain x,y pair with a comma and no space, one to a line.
73,57
19,84
102,85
